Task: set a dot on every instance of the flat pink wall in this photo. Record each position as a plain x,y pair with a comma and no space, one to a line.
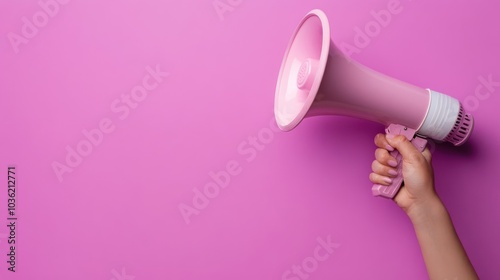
288,201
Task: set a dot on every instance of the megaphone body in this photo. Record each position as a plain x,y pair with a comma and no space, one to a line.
316,78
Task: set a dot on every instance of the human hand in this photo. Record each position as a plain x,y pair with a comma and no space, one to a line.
418,174
443,253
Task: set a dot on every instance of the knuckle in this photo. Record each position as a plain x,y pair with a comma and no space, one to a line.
380,154
400,139
386,157
378,138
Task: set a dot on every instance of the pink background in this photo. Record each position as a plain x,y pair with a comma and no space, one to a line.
116,215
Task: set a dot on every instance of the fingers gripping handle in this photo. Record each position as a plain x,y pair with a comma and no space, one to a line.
419,143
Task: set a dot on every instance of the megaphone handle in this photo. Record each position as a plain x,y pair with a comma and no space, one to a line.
419,143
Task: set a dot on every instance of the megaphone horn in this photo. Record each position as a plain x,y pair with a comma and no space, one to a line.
316,78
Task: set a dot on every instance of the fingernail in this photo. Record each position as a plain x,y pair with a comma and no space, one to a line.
388,180
390,136
392,163
392,172
389,148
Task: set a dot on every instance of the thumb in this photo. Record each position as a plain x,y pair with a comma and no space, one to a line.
409,153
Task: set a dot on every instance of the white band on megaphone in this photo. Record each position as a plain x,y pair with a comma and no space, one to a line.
441,116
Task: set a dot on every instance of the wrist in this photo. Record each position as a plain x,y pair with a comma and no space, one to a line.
421,211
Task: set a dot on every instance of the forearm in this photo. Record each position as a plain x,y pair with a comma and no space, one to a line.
444,255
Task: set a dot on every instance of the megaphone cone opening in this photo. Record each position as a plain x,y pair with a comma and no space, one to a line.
302,70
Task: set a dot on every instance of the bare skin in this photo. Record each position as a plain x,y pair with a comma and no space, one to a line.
444,255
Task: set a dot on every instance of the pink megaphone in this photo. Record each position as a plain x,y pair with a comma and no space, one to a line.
316,78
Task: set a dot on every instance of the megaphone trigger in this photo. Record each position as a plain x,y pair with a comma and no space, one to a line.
418,142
